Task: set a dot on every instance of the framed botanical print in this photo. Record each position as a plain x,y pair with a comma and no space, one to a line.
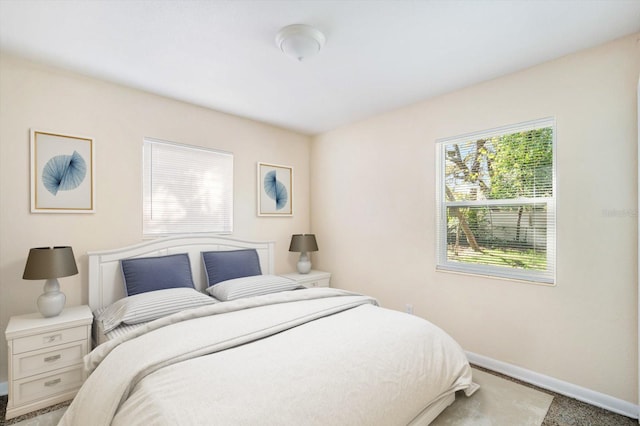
275,190
62,173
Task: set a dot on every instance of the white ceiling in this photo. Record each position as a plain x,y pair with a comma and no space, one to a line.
379,55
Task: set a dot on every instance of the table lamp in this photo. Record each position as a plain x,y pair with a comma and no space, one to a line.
303,243
46,263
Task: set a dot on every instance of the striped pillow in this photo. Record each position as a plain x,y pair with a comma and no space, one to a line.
151,305
251,286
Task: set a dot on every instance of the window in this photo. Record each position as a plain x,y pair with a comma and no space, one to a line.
496,202
187,189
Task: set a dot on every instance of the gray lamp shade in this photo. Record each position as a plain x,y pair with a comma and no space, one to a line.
46,262
303,243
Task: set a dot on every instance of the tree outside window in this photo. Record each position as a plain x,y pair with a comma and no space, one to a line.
497,202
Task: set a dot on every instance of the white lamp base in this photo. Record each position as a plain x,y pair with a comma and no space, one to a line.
51,302
304,264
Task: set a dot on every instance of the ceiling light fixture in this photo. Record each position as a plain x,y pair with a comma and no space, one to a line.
300,41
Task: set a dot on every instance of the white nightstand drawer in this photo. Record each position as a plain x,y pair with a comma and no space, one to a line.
312,279
31,389
316,283
46,340
43,361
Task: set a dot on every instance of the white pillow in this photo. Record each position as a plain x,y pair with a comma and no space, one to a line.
251,286
151,305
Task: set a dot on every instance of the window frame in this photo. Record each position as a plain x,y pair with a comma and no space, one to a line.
222,227
546,277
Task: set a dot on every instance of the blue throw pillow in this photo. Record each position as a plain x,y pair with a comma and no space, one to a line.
227,265
145,274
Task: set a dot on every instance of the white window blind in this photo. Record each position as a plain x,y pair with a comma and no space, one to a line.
187,189
496,202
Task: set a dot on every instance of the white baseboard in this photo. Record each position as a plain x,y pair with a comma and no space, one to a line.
4,388
564,388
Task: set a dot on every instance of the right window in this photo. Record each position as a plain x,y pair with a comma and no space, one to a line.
496,202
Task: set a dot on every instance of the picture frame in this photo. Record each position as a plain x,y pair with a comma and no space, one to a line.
275,190
62,173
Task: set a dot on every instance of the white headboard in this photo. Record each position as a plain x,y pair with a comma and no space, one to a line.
105,275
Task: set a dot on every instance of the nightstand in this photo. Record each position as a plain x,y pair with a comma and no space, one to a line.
45,358
312,279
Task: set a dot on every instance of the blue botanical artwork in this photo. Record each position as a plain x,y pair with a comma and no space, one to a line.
64,172
275,190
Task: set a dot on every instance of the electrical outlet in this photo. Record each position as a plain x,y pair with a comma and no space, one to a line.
408,308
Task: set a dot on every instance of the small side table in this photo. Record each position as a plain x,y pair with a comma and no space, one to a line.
45,358
312,279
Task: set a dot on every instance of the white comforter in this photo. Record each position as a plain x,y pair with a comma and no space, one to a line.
312,357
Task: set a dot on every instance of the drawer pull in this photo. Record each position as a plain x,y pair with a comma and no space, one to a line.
52,358
51,339
52,382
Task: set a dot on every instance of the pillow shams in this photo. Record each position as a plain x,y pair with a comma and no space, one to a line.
251,286
227,265
151,305
144,274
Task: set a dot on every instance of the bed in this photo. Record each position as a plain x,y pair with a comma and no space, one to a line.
251,347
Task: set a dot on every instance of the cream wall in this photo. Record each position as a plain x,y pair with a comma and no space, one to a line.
36,96
373,186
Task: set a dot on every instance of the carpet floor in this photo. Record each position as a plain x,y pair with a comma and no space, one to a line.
563,411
